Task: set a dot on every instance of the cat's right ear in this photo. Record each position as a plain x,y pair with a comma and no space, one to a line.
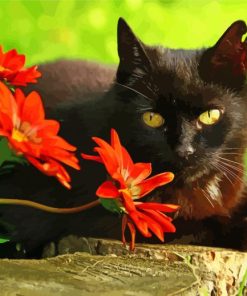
226,62
134,63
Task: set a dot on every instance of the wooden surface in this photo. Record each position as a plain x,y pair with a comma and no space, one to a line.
106,268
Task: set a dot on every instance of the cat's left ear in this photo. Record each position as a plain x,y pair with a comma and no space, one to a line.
134,62
226,62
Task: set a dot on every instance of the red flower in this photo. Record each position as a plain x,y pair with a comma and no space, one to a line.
129,182
23,123
121,168
148,216
12,69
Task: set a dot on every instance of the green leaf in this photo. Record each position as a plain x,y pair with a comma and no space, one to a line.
243,285
8,157
112,205
3,240
5,230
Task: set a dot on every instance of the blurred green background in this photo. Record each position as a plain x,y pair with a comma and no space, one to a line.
48,29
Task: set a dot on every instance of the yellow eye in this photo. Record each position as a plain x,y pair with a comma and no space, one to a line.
153,119
210,117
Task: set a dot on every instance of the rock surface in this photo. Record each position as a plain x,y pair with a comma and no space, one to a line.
105,267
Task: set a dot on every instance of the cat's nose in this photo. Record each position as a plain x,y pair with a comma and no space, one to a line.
185,151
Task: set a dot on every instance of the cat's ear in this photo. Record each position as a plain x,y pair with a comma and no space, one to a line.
134,62
226,62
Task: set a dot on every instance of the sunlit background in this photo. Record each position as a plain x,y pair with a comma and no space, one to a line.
47,30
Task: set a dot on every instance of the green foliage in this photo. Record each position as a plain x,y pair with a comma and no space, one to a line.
111,205
2,240
5,229
49,29
8,158
243,285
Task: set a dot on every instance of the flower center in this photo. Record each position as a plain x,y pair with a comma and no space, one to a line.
19,136
125,190
132,191
135,191
25,133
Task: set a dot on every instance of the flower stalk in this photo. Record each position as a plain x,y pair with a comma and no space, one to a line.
45,208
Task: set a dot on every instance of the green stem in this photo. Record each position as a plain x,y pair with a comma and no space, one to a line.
242,285
32,204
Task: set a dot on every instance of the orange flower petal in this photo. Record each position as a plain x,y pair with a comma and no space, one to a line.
168,208
128,201
124,224
109,160
13,61
161,219
60,155
20,99
13,70
28,148
33,109
132,234
52,168
91,157
7,102
153,226
107,190
127,160
139,172
48,128
141,224
109,154
150,184
4,134
24,76
58,143
6,122
116,144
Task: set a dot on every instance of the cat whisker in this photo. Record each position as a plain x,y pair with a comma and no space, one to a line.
207,197
224,173
221,165
148,87
238,167
235,148
143,106
228,160
228,168
231,153
234,170
143,109
134,90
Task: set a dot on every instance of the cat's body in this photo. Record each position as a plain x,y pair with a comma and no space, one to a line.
177,84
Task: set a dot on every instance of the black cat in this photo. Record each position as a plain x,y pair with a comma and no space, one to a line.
183,110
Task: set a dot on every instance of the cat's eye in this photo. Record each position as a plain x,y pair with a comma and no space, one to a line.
210,117
152,119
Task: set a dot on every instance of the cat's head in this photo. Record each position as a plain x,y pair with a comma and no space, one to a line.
182,110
